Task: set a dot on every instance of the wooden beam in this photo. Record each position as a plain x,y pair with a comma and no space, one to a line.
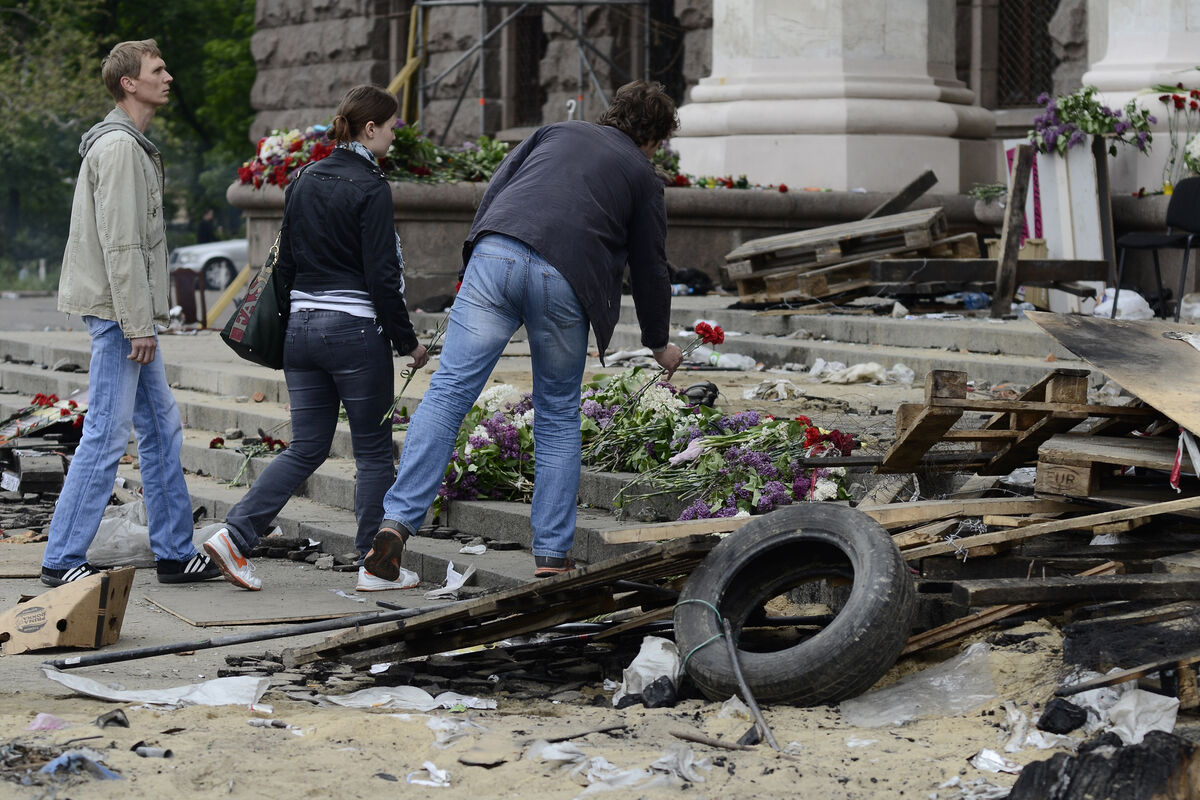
1086,522
1023,406
1010,236
1131,674
1071,590
905,197
984,618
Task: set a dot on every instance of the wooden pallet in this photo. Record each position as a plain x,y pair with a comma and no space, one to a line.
576,595
834,243
1071,464
1014,433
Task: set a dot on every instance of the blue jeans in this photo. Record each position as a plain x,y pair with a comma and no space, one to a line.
328,358
122,393
507,284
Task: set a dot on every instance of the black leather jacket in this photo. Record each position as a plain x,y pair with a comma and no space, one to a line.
338,232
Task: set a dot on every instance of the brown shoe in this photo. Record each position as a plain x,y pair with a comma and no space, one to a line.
548,567
383,559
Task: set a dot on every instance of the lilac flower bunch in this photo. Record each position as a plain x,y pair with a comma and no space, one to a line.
1069,120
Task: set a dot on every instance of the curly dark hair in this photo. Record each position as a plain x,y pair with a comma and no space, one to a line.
642,110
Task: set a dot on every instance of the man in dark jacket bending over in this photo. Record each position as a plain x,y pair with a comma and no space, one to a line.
565,212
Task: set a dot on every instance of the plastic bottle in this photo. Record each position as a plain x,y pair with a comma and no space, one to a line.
975,300
681,288
728,360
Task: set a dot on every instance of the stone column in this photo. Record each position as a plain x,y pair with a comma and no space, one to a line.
836,95
1148,42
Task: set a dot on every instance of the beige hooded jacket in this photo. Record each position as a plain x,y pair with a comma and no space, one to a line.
115,264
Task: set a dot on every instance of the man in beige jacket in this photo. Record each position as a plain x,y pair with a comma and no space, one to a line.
114,274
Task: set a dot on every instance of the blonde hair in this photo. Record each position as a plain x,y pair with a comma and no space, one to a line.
360,105
125,61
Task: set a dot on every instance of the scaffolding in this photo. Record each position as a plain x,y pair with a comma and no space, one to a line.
417,85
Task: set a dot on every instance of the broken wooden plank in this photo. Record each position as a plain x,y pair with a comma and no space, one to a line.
1152,452
1073,524
899,515
1022,406
1065,589
905,197
1064,388
1010,235
916,435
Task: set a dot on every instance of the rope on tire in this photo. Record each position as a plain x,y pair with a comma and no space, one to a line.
727,635
709,640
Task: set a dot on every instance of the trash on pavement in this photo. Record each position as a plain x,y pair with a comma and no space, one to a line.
47,722
1138,712
83,759
774,389
991,761
437,778
656,658
84,613
454,581
123,538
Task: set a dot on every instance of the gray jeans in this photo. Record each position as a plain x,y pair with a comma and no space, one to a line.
328,358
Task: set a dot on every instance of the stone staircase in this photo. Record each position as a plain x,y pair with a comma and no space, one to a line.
214,390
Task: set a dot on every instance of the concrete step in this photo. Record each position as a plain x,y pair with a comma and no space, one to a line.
335,527
980,366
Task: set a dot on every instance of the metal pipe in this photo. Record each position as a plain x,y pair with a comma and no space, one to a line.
741,679
91,659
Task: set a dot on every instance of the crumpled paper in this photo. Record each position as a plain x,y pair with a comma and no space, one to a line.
1138,712
239,691
435,777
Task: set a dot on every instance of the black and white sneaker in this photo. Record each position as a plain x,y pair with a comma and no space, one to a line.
57,577
197,568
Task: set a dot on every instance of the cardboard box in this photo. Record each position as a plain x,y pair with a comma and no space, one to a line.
84,613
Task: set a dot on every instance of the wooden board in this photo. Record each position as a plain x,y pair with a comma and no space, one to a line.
1163,373
1113,678
905,197
1086,522
1095,588
211,609
1154,452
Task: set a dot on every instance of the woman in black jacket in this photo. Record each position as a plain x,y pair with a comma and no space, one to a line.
341,269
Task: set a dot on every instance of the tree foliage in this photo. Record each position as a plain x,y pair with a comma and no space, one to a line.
51,93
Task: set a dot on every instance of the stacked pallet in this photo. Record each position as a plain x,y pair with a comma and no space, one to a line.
836,260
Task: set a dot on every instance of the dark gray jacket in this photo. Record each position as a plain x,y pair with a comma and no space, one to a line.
587,199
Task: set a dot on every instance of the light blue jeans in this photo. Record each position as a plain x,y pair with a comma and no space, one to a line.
507,284
120,394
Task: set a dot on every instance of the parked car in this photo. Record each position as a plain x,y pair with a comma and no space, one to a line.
219,262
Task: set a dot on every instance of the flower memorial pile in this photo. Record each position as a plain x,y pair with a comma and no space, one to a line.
412,157
1070,119
743,463
264,445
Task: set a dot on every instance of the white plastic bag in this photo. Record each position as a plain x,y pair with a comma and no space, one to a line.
123,538
658,657
1130,305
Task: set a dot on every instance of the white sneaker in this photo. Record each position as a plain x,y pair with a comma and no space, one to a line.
367,582
237,568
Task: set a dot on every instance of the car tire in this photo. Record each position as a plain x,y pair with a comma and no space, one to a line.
218,274
783,550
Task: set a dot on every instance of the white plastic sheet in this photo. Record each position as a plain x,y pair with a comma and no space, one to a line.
1138,712
409,698
239,691
455,580
945,690
123,538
